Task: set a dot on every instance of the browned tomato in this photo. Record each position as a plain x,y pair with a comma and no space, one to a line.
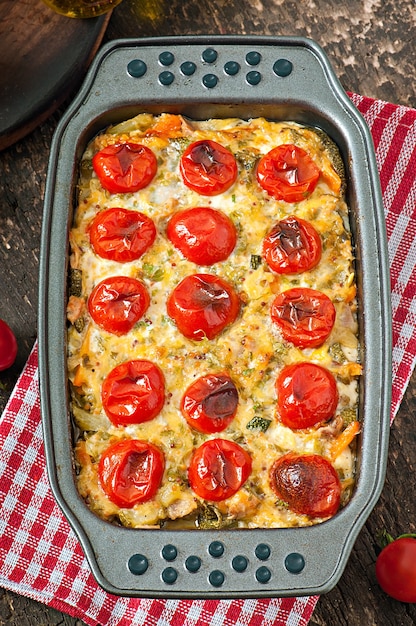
210,403
292,246
125,167
121,235
204,236
304,316
202,305
308,483
218,469
130,471
288,173
306,395
133,392
117,303
208,168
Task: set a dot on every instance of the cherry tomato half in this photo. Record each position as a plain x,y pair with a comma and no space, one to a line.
133,392
218,469
308,483
305,316
121,235
204,236
292,246
125,167
396,569
130,471
287,173
307,394
117,303
210,403
202,305
208,168
8,346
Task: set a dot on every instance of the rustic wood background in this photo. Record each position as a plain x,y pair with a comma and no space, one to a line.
371,45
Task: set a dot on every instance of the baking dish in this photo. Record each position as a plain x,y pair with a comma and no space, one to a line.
278,78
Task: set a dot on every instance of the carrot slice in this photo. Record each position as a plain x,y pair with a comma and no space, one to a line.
344,439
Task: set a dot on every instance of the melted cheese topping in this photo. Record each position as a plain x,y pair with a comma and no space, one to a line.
251,349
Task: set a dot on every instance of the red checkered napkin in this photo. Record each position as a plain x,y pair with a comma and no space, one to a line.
39,555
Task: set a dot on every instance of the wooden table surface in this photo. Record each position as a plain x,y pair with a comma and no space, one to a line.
370,44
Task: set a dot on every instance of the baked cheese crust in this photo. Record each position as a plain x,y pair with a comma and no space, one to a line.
251,350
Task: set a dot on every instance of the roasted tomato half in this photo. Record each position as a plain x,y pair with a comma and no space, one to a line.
202,305
210,403
292,246
204,236
121,235
130,471
133,392
307,395
288,173
304,316
125,167
218,469
117,303
308,483
208,168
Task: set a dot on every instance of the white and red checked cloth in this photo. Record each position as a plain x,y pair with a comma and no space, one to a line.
39,555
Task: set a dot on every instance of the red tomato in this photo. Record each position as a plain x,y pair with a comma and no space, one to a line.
287,173
202,305
208,168
117,303
308,483
210,403
125,167
218,469
203,235
307,394
305,316
292,246
121,235
130,471
8,346
396,569
133,392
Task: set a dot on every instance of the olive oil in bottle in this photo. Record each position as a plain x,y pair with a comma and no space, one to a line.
82,8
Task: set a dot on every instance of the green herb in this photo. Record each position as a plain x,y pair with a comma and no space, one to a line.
336,353
255,261
153,272
259,423
75,283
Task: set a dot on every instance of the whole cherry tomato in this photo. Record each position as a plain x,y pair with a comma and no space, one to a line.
202,305
133,392
8,346
396,568
117,303
218,469
305,316
125,167
121,235
292,246
130,471
307,394
208,168
210,403
204,236
287,173
308,483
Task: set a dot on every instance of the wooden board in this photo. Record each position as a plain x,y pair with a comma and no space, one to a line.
43,58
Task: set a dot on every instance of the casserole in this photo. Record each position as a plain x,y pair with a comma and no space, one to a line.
191,76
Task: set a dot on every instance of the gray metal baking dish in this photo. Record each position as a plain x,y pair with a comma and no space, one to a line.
203,77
